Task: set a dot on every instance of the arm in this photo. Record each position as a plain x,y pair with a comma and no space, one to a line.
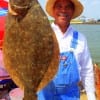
87,73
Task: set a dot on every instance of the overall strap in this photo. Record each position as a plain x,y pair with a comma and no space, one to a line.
74,40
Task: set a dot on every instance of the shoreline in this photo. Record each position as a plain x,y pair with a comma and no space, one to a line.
96,23
80,22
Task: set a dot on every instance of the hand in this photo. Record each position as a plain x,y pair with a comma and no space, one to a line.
11,11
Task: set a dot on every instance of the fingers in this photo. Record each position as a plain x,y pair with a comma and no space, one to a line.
11,11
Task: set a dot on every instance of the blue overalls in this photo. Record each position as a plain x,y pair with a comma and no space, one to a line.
64,86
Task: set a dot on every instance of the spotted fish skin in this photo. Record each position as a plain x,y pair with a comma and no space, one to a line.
30,47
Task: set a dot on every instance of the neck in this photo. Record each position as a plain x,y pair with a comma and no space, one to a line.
63,27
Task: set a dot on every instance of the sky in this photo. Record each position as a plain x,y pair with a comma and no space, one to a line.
91,8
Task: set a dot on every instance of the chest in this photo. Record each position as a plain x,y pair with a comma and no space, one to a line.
65,45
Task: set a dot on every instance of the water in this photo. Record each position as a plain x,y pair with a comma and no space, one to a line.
92,33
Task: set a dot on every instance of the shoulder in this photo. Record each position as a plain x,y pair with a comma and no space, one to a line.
82,40
81,36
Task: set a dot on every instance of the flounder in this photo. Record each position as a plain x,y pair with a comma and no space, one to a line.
30,47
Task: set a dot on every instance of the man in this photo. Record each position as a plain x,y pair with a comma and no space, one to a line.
75,61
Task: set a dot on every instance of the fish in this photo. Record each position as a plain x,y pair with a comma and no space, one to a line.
30,48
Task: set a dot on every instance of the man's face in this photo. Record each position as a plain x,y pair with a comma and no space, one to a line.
63,11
